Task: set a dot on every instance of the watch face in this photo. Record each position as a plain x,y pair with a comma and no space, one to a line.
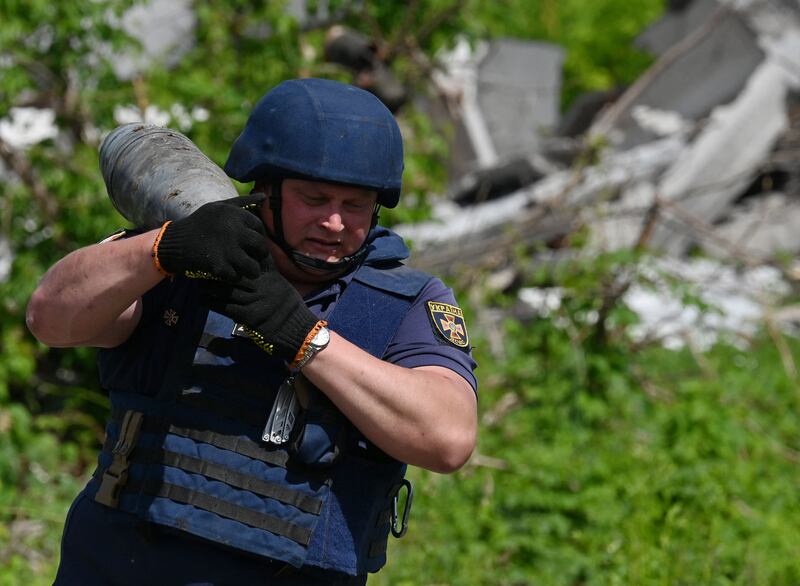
322,338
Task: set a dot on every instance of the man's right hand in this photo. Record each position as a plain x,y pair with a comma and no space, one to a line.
222,240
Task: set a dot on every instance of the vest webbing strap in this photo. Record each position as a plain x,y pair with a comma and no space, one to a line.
279,492
301,535
233,443
378,546
384,518
116,473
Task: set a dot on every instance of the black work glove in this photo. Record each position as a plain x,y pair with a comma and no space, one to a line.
271,310
222,240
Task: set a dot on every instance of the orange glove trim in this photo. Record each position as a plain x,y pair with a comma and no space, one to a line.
154,254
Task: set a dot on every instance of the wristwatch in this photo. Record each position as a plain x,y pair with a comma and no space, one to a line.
317,344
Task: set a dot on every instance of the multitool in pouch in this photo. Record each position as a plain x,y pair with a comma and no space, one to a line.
303,421
283,415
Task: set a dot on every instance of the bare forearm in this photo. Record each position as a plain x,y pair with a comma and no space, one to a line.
423,416
83,297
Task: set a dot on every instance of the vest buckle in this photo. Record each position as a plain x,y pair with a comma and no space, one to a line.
116,475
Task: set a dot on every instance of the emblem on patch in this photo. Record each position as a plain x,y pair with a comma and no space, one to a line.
449,322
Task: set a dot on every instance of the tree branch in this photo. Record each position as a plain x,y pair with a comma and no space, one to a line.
23,169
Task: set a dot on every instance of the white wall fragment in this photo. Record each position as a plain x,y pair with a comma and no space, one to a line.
616,171
660,122
739,301
165,29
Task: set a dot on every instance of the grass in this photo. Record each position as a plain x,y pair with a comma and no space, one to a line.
673,471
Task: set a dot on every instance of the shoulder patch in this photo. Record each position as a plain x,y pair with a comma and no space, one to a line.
448,320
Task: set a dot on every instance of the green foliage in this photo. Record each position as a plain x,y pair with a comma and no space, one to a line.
599,462
39,476
603,463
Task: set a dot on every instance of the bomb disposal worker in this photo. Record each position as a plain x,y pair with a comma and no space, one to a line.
271,363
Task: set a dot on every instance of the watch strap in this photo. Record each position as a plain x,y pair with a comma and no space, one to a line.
307,350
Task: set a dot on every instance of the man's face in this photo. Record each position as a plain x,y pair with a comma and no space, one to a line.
323,220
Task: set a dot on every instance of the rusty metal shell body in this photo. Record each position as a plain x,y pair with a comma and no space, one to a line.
154,174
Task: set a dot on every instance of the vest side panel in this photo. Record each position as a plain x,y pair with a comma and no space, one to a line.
368,314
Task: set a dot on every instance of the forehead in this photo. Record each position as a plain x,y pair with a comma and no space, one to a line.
331,190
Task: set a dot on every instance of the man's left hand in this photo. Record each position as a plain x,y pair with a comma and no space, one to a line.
268,306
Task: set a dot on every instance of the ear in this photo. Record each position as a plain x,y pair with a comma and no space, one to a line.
261,186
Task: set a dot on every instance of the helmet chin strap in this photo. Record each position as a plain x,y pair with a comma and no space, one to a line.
304,262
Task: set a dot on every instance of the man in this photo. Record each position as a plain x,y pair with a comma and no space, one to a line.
288,307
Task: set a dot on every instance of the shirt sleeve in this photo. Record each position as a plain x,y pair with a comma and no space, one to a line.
428,337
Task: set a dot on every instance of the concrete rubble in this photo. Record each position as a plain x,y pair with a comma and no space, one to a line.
700,154
703,154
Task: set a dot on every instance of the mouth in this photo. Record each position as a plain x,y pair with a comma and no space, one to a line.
323,247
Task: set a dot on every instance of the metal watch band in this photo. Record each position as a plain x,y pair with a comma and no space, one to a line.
318,343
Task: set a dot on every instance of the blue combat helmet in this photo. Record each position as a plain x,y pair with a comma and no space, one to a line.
322,130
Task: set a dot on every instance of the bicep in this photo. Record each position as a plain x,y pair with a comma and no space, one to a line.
456,385
120,329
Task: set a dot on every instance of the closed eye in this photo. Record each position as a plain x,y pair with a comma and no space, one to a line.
356,206
313,200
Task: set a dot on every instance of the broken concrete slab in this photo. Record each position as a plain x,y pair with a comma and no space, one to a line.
707,68
724,158
543,211
504,96
519,85
764,228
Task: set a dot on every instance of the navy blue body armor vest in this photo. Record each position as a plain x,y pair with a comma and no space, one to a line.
185,452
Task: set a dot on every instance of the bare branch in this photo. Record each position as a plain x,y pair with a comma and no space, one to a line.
785,353
507,403
481,461
388,52
702,229
21,167
404,42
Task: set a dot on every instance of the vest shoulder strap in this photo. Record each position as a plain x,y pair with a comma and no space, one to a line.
374,304
395,278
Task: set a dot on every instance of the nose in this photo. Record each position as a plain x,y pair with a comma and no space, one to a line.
333,222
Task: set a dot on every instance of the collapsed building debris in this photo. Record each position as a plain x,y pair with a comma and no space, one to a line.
702,153
723,92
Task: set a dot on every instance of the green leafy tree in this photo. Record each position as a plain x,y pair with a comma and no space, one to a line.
60,57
